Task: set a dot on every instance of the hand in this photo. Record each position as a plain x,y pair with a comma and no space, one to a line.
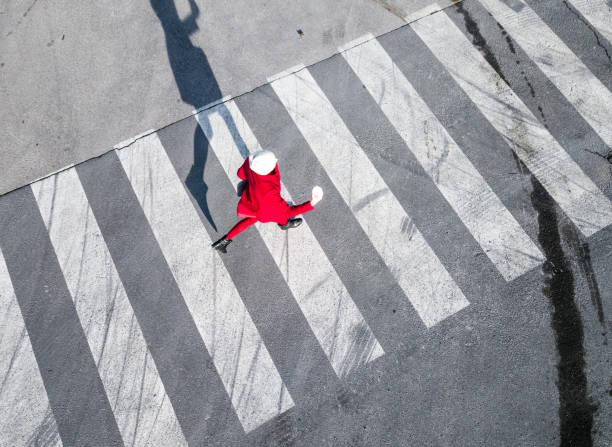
317,195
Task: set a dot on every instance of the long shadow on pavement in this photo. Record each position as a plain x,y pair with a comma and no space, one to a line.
197,86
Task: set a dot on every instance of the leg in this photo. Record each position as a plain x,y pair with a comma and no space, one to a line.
241,226
294,210
221,244
292,222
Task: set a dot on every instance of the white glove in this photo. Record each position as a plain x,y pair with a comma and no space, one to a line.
317,195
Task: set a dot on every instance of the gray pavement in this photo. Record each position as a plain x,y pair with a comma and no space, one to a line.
526,363
77,79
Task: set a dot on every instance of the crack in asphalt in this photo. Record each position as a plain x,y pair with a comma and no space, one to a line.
589,26
607,157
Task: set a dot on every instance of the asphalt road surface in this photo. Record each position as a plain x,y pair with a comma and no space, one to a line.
453,287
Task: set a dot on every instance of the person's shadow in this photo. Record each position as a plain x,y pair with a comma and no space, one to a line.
197,86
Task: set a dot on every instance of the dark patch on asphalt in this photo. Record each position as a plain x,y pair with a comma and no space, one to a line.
531,89
508,38
575,408
479,41
583,258
589,26
541,113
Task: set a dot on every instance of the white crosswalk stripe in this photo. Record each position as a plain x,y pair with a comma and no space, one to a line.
598,13
491,224
573,79
338,325
237,350
26,416
135,391
427,284
575,193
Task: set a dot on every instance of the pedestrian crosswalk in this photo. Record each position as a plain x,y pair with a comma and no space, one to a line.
564,69
575,193
27,418
491,224
169,331
407,254
137,396
236,348
340,328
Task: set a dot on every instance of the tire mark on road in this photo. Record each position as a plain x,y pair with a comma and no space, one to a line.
510,44
479,41
583,253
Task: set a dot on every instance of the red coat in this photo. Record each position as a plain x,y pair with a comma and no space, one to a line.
261,197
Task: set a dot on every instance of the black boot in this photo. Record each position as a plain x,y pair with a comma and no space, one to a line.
291,223
221,244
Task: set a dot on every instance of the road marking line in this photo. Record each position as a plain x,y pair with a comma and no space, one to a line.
420,13
427,284
238,352
485,216
129,141
564,69
356,42
341,330
27,418
286,72
598,13
212,104
571,188
135,391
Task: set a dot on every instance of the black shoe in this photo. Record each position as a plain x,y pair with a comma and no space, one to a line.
291,223
221,244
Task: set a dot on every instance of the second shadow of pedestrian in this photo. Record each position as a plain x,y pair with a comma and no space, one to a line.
197,86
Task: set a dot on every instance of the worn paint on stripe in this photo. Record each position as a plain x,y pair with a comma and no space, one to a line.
27,418
135,391
67,367
598,13
571,188
484,215
564,69
237,350
341,330
427,284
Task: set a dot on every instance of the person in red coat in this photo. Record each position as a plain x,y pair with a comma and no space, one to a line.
261,200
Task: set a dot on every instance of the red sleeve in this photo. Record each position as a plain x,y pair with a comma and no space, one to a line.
299,209
240,172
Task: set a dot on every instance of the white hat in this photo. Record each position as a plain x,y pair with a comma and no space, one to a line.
262,162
